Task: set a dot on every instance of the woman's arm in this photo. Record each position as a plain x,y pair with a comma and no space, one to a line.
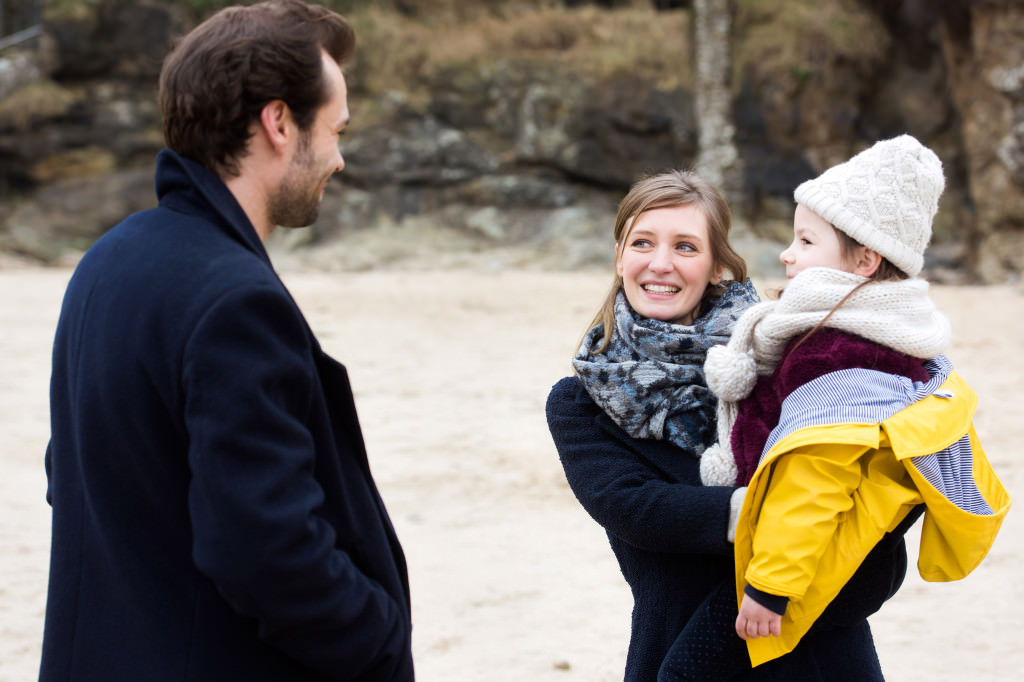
657,508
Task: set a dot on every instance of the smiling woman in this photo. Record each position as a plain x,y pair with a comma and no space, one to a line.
631,425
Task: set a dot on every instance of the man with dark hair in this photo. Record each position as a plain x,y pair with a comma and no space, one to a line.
214,515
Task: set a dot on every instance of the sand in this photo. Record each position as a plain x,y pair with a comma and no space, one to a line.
511,580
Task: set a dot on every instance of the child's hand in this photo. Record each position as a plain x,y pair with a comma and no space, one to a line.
757,621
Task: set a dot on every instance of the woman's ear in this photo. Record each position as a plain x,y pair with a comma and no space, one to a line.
866,262
716,278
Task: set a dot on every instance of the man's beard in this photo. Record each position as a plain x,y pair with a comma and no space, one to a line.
296,203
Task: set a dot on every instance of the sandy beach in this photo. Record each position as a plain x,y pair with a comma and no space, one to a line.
511,580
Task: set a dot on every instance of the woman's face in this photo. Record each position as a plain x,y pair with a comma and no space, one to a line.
666,263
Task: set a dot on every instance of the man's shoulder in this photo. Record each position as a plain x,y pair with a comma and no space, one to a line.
161,260
163,234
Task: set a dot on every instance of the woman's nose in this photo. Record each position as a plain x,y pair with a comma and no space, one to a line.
661,260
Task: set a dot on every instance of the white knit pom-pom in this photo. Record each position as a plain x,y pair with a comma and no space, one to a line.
730,374
717,466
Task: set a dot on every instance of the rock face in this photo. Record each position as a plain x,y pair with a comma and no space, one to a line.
987,76
523,157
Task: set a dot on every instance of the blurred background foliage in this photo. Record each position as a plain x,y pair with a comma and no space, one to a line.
522,122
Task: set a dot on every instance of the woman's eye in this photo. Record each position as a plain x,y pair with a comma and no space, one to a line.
686,246
640,243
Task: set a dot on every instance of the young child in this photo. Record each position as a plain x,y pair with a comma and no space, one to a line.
839,411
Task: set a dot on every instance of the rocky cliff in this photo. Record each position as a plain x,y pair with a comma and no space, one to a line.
510,135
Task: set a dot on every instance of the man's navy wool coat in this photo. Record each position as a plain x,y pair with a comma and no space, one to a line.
214,516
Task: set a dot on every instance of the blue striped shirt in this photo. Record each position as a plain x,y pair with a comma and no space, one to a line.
865,396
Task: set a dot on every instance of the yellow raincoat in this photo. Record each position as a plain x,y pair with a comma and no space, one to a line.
841,486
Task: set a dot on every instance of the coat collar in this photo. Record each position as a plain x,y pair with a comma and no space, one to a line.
185,186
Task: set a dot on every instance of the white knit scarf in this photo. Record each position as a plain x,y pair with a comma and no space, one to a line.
899,315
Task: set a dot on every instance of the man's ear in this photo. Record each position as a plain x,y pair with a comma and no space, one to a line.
275,121
866,262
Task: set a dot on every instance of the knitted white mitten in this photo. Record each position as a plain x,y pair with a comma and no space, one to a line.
735,507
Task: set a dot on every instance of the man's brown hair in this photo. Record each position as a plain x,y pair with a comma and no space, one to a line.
217,79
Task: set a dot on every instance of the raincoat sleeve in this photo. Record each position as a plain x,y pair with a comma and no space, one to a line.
811,490
966,501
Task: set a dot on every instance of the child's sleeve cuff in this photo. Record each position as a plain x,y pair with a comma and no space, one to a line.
771,602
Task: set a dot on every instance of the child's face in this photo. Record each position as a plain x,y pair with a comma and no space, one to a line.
815,244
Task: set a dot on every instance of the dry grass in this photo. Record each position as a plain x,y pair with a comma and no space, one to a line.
403,51
81,162
35,101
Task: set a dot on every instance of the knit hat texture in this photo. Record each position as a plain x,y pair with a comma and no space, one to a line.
884,198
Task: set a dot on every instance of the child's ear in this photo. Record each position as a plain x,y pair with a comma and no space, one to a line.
866,262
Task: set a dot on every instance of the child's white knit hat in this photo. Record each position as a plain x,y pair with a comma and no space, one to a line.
884,198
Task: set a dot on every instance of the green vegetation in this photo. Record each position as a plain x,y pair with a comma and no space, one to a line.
431,11
798,37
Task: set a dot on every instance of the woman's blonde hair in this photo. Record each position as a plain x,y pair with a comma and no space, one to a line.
668,190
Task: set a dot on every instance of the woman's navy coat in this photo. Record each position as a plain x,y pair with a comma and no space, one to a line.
668,533
214,516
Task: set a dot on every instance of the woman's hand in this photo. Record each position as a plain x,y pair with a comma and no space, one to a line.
756,620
